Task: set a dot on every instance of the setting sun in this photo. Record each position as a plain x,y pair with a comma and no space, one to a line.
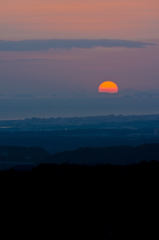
109,87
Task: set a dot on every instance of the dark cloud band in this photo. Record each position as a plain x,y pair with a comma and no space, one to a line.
37,45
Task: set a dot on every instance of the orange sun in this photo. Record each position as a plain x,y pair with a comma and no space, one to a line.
109,87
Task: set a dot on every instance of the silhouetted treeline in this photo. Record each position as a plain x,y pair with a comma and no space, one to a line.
83,202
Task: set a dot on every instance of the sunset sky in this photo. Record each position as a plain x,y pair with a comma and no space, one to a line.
44,68
113,19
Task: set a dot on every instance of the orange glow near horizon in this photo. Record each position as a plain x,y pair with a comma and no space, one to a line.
109,87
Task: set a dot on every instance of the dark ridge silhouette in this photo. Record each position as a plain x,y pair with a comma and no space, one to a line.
82,202
25,158
113,155
62,140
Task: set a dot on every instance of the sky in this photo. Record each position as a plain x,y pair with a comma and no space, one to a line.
67,48
49,19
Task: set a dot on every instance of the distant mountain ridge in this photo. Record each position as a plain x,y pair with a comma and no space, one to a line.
118,155
115,155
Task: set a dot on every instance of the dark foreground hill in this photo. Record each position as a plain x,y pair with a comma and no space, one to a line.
81,202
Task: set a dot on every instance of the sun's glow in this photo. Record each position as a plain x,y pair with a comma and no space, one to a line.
109,87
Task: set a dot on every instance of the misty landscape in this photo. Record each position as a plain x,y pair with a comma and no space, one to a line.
94,174
125,102
79,119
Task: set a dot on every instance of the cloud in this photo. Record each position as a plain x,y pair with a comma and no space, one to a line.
37,45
